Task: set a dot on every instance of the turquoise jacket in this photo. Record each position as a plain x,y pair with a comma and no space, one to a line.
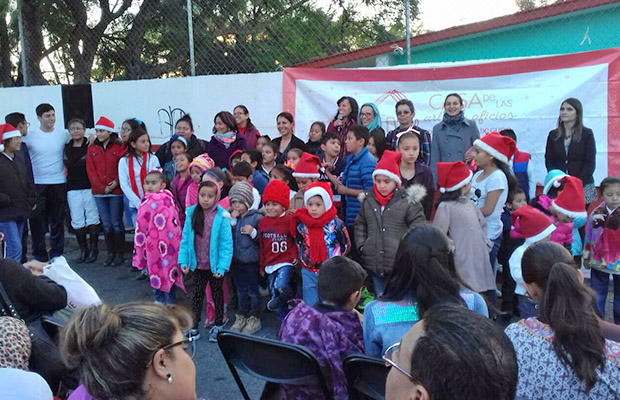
221,246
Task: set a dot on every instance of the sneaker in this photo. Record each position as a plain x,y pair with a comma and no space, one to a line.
213,333
240,322
252,326
274,304
192,333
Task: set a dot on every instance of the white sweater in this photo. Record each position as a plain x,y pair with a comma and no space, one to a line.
123,177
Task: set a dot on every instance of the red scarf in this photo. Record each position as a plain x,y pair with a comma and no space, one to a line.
382,200
318,249
132,175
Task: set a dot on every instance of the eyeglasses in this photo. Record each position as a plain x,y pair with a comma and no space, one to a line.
389,355
189,345
365,114
76,129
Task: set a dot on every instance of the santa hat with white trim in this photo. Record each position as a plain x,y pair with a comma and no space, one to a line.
571,201
500,147
389,165
531,224
308,166
452,176
322,189
105,124
7,131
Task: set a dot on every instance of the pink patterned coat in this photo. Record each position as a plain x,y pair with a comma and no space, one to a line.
157,240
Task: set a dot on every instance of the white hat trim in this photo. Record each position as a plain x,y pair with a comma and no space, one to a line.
318,191
458,185
492,151
10,135
569,213
540,236
306,175
389,174
553,182
105,128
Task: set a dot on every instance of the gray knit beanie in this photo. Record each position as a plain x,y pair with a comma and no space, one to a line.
241,191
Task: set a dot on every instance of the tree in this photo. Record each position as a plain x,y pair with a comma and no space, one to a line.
531,4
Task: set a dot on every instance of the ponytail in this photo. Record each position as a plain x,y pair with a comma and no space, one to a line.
566,305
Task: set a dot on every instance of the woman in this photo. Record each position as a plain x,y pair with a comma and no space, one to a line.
17,191
345,118
226,139
287,140
405,112
183,128
245,126
454,136
131,351
370,118
571,147
562,353
423,275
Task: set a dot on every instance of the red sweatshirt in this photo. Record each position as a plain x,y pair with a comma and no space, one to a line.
276,244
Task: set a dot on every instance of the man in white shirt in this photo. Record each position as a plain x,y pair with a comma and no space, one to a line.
46,145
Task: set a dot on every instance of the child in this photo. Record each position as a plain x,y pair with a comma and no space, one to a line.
245,258
270,153
255,159
235,157
207,249
356,177
180,183
197,167
242,172
463,222
386,214
294,155
82,206
157,240
516,200
261,141
522,167
307,172
278,251
315,138
492,183
331,329
178,145
102,161
331,162
569,205
284,174
412,170
320,235
533,226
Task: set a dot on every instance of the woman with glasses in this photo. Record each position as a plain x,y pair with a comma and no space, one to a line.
183,128
423,275
405,112
245,126
131,351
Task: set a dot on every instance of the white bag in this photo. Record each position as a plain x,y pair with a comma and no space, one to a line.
79,293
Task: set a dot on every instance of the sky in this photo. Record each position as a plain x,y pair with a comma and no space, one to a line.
441,14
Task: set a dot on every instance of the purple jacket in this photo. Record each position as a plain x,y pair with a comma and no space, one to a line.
331,336
220,154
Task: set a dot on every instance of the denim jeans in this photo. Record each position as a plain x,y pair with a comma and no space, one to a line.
599,281
308,281
51,203
527,308
162,297
493,253
129,221
13,238
111,212
279,281
379,283
248,296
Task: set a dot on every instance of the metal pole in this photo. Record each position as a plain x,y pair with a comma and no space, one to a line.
22,43
408,33
190,32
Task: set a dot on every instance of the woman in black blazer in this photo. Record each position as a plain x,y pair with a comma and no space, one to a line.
571,147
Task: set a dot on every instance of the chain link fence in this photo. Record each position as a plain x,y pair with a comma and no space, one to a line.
79,41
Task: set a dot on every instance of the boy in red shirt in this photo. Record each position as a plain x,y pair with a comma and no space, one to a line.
278,251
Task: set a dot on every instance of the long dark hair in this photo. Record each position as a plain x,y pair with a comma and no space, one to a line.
133,138
245,110
288,175
566,305
354,107
198,217
512,181
578,128
424,267
228,120
449,196
135,124
378,136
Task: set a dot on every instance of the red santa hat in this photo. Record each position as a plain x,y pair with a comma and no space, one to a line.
322,189
105,124
571,201
499,147
7,131
531,224
389,165
308,166
452,176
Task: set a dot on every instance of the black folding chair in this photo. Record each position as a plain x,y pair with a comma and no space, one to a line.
365,377
270,360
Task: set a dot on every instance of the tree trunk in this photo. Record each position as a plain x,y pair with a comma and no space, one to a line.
33,39
5,54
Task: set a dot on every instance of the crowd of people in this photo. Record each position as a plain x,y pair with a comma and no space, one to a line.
396,245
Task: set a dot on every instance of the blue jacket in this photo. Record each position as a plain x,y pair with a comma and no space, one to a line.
220,248
246,248
259,181
357,174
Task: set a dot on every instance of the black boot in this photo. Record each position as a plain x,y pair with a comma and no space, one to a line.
80,235
94,243
109,245
119,244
